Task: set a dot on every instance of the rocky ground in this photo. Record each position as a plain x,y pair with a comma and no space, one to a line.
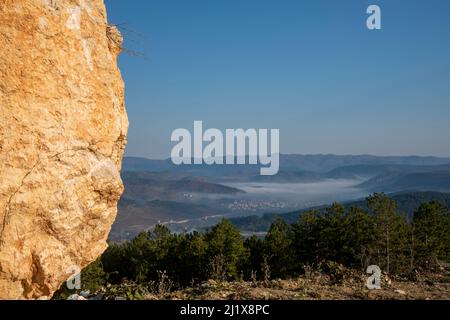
350,285
320,286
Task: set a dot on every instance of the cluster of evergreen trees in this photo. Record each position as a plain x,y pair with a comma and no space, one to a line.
355,238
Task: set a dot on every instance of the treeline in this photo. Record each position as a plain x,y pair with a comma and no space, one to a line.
407,202
352,237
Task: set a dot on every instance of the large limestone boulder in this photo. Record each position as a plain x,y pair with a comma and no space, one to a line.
62,135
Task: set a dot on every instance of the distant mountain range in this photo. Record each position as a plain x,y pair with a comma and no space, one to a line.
314,163
389,174
310,168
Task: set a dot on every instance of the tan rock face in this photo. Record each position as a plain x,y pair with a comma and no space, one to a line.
62,135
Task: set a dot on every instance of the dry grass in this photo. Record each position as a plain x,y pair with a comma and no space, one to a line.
321,286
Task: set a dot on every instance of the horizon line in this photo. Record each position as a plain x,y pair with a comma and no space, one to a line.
316,154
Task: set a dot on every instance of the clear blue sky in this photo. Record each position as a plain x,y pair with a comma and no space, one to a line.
310,68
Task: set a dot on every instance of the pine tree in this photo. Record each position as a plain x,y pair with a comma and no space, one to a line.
225,240
255,247
359,237
278,248
391,232
93,276
332,233
431,233
307,237
143,256
191,260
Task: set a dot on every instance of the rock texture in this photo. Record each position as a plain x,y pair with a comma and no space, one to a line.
62,135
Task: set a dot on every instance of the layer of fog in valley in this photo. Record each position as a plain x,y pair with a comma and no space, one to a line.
260,198
303,193
279,197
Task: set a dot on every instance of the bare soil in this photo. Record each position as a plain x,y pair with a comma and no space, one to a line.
432,286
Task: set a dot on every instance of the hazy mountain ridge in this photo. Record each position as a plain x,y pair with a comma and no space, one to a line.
299,168
419,181
328,162
166,185
315,163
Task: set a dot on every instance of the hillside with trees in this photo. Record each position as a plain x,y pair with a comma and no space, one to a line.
407,204
330,240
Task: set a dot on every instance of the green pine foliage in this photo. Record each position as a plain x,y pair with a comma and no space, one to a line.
224,240
279,250
354,237
430,234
